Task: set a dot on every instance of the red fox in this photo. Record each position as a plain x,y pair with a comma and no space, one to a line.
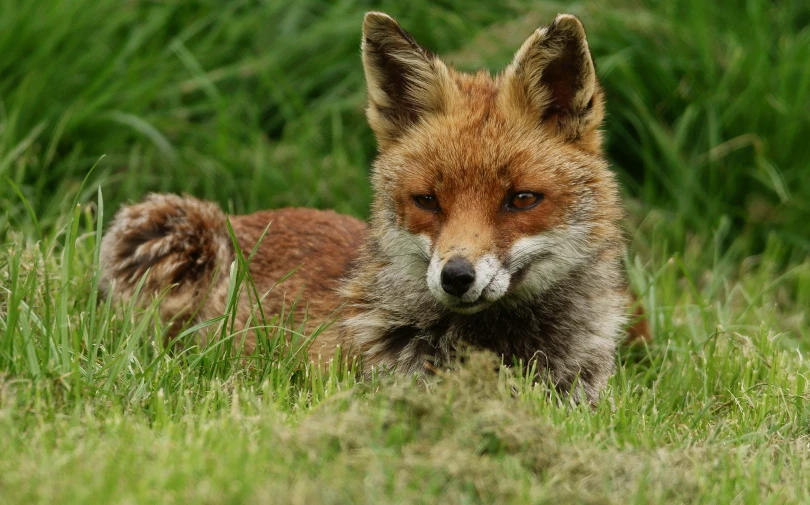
495,222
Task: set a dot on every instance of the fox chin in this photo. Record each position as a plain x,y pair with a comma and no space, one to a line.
496,223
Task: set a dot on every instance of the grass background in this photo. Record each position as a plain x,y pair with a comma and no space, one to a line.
259,104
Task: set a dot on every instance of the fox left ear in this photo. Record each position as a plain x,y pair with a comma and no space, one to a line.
552,78
405,81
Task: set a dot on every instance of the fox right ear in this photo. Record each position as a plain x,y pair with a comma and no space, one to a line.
404,80
552,78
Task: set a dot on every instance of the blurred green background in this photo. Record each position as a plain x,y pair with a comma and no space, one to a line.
260,104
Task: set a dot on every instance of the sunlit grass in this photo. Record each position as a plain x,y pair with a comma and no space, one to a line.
259,105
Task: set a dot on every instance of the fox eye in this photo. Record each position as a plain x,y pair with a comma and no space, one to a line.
524,200
427,202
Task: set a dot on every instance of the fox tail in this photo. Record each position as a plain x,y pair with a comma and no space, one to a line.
181,245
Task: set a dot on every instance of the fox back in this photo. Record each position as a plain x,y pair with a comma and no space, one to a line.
496,220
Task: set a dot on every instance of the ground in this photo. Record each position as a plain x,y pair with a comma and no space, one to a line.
260,104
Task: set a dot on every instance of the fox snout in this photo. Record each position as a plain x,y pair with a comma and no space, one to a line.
467,286
457,276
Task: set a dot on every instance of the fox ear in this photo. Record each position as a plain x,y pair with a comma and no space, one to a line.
404,80
553,79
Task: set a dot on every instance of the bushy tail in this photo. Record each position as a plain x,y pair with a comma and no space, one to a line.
180,241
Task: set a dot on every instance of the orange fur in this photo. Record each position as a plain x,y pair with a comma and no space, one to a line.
543,282
165,237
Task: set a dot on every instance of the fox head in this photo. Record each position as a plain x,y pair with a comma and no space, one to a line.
488,188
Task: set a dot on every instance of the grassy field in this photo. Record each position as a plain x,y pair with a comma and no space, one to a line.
260,104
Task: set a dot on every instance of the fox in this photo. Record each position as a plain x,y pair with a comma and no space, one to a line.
495,223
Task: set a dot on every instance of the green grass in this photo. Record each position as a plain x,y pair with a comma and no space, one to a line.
259,105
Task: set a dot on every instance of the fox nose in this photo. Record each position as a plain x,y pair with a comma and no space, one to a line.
457,276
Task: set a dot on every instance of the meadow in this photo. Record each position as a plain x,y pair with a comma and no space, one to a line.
259,104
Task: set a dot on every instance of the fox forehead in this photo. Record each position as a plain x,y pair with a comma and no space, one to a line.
475,153
479,143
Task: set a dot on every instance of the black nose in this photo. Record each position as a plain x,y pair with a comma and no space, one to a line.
457,276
